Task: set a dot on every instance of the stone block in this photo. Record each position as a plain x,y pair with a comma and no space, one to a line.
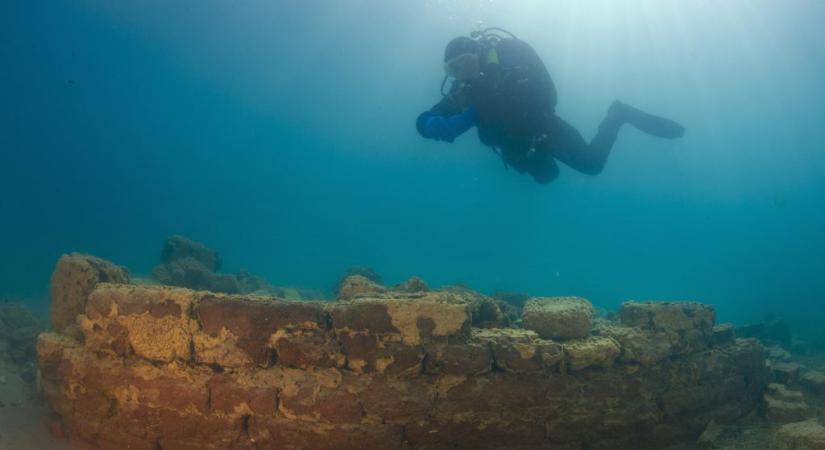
521,351
249,323
674,316
639,345
807,435
688,326
724,334
596,351
558,317
785,372
813,380
245,392
307,349
415,321
74,278
782,411
356,286
466,359
152,322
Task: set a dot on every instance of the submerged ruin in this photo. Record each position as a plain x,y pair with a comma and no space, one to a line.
155,367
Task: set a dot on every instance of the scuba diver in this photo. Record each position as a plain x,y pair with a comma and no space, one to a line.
501,86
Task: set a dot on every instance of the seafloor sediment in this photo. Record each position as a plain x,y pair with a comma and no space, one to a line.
171,368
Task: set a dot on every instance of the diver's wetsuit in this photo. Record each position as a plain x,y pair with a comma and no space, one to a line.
513,104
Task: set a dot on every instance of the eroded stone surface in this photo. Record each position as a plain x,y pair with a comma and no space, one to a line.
558,317
807,435
74,278
172,368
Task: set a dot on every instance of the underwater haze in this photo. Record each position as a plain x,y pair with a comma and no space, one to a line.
282,133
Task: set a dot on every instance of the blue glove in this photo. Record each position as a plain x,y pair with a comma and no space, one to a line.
434,126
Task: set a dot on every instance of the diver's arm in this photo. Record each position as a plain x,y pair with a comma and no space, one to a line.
433,125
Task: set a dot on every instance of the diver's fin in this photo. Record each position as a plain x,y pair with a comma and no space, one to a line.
650,124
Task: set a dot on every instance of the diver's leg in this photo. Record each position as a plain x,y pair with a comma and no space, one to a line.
566,144
646,122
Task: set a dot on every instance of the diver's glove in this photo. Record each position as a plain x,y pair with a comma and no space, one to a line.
435,126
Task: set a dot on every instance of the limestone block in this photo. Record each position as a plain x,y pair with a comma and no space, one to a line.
558,317
814,380
326,395
781,392
355,286
149,321
179,247
520,351
74,278
245,392
675,316
786,372
412,285
382,353
724,334
415,321
807,435
464,359
688,325
639,345
302,349
596,351
782,411
249,323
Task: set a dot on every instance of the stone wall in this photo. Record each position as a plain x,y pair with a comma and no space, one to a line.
170,368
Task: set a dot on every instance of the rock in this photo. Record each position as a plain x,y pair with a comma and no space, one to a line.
778,411
190,273
74,278
639,345
813,380
521,351
807,435
179,247
559,317
673,316
687,326
786,372
591,352
778,353
723,334
412,285
772,331
355,286
711,437
781,392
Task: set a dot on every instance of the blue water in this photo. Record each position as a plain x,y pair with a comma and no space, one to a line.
281,133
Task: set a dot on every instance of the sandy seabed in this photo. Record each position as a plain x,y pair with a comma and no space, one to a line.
22,417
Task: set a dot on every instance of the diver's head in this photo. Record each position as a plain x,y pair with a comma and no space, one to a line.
461,58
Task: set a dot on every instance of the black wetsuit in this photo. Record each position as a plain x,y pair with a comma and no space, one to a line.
516,101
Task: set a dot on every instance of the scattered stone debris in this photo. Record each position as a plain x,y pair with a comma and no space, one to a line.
364,271
411,286
355,286
190,264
